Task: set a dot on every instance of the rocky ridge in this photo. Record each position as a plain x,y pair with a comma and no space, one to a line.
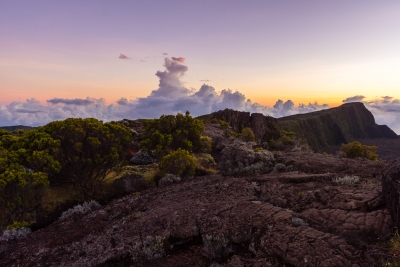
334,126
264,127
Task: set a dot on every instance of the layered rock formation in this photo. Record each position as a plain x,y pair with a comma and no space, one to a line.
299,218
335,126
264,128
391,190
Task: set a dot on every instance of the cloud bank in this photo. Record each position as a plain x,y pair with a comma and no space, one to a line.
172,97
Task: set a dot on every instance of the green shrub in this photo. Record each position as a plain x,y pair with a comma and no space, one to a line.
75,152
357,150
179,163
248,134
205,164
288,142
170,132
18,225
89,152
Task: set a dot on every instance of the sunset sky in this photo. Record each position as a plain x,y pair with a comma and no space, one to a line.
56,54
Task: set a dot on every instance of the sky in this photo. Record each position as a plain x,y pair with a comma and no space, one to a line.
116,59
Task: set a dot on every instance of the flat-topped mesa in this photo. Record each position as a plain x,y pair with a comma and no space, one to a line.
335,126
264,127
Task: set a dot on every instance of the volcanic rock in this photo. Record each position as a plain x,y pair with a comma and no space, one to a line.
298,218
391,190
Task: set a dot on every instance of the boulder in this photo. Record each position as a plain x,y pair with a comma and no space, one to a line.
142,158
391,190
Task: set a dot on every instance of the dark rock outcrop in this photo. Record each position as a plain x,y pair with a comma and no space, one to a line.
300,218
335,126
264,128
391,190
130,183
142,158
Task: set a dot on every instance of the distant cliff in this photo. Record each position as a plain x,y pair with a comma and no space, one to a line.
335,126
264,127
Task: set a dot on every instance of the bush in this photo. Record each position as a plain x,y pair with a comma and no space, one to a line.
248,134
357,150
26,160
89,151
171,132
204,160
298,222
80,209
150,248
239,159
347,180
179,163
289,142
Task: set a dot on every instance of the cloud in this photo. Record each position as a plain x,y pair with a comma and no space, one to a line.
172,97
66,101
122,56
357,98
205,81
179,59
165,54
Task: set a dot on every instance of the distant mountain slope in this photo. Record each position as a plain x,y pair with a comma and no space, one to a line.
264,127
16,127
335,126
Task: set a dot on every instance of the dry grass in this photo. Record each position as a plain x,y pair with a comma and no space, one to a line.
56,196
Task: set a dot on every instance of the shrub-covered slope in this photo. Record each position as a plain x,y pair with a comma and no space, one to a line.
334,126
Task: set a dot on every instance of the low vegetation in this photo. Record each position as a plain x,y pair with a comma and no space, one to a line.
76,153
347,179
357,150
169,133
179,163
289,141
239,159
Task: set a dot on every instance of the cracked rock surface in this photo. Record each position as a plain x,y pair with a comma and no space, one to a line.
299,218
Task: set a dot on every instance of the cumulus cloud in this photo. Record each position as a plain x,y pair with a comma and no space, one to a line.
122,56
357,98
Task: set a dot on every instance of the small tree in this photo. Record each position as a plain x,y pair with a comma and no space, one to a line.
26,159
179,163
357,150
89,151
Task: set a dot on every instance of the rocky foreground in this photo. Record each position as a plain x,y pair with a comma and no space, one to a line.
297,218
